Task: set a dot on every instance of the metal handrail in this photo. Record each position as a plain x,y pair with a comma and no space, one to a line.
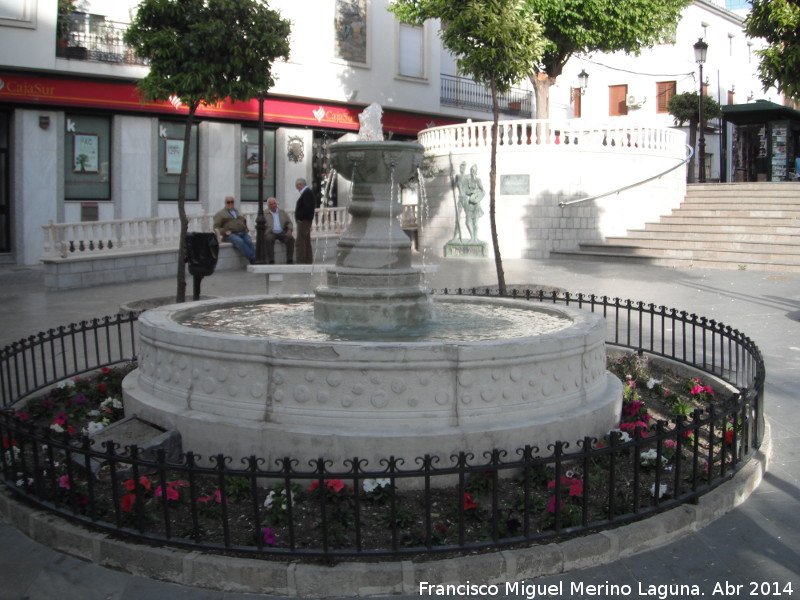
564,204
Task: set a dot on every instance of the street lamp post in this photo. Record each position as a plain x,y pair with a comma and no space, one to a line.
700,51
261,221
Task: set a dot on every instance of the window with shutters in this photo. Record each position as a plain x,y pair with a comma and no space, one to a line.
617,100
411,51
664,91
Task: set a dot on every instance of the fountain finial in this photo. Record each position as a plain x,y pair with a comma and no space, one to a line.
370,126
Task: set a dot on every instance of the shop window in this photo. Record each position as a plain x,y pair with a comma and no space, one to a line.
664,91
617,100
411,51
248,191
87,157
170,157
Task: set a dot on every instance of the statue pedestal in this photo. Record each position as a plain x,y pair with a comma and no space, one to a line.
466,249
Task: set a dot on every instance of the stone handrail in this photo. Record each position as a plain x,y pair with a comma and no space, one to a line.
62,240
564,135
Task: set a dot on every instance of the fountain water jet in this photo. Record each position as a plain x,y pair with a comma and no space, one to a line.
281,395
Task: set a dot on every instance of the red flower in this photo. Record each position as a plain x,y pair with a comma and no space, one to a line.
729,436
469,503
8,442
129,485
105,370
337,485
101,387
60,419
128,501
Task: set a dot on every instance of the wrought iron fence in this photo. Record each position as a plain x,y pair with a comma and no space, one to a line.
465,93
427,505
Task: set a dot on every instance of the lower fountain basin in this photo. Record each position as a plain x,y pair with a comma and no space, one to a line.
274,397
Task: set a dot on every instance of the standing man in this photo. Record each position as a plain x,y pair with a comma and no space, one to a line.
279,227
304,215
231,226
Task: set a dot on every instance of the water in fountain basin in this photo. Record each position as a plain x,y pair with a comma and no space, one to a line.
450,324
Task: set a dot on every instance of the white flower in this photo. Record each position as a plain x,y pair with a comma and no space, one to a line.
111,402
94,427
662,490
65,384
56,427
652,382
271,497
623,435
370,485
650,454
93,413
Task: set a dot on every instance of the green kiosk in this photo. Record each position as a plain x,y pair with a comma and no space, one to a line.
765,142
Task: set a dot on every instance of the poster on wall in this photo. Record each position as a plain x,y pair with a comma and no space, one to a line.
251,161
350,22
173,156
85,152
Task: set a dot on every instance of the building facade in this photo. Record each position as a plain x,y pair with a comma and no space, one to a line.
77,142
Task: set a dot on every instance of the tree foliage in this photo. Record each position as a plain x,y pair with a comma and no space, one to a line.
573,27
203,51
685,108
497,42
778,22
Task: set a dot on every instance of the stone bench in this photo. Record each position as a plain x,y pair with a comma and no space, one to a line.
274,273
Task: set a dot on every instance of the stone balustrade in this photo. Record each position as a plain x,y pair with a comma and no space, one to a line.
573,135
65,240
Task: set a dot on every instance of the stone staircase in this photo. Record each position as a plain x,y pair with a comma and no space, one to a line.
753,226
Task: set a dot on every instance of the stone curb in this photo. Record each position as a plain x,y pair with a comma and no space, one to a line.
356,579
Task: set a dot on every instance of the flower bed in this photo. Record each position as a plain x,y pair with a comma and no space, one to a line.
645,464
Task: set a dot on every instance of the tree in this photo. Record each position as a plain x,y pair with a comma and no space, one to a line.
685,108
778,22
203,51
574,27
496,42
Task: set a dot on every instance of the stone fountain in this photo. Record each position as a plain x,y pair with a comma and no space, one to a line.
372,394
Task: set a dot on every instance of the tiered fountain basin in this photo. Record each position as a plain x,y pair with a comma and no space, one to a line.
275,396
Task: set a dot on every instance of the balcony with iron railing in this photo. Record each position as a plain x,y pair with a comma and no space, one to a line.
93,38
465,93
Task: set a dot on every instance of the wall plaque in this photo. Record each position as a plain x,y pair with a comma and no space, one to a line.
515,185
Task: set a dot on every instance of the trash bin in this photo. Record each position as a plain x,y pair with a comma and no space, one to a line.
202,252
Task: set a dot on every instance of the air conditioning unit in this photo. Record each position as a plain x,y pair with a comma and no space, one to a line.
633,102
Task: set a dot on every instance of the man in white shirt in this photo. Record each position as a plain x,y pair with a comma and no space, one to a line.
279,227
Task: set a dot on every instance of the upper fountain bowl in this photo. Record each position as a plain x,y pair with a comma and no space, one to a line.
376,161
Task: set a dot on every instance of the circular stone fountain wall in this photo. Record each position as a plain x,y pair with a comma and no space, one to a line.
273,397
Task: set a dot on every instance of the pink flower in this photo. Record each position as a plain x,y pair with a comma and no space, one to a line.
63,482
172,493
696,389
671,443
61,419
576,488
269,536
337,485
551,506
708,390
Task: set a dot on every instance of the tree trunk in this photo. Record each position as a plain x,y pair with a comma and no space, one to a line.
180,294
498,260
541,85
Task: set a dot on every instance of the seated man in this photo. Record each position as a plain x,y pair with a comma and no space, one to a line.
278,227
231,226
